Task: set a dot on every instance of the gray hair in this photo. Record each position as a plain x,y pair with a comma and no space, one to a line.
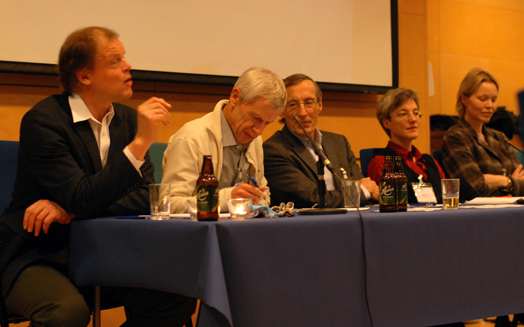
470,84
257,83
393,99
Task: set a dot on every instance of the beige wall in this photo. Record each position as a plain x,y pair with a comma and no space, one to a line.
463,34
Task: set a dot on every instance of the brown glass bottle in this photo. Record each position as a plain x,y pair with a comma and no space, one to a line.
207,192
387,184
402,185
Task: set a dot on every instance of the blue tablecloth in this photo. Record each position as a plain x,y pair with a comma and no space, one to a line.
429,268
178,256
301,271
423,268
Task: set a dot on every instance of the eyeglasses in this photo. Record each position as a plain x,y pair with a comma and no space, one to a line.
294,106
405,115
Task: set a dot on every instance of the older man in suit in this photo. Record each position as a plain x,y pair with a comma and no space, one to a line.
290,159
81,156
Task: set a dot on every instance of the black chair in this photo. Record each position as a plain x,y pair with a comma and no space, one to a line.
9,151
9,158
3,312
365,157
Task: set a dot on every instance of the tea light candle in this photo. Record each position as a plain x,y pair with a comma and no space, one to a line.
239,208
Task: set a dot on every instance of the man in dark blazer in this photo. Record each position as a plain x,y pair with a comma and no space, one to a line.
290,161
81,156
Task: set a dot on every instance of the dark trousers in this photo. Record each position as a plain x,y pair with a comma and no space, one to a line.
45,296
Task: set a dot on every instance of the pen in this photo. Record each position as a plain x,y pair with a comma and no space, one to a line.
133,217
254,180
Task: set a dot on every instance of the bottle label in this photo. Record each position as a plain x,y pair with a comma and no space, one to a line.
207,198
387,194
402,196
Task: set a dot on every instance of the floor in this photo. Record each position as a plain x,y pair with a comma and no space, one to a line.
479,323
109,318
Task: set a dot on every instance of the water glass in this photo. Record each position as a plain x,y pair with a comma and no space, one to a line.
159,201
192,208
352,187
450,193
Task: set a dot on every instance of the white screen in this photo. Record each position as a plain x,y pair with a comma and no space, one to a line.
335,41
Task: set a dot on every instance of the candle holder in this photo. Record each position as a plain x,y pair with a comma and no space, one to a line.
239,209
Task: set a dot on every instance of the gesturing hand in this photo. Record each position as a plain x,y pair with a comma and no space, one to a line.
150,113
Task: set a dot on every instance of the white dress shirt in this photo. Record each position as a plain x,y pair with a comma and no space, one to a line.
81,112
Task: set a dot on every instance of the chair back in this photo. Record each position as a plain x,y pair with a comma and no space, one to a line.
156,152
437,155
520,156
365,157
8,162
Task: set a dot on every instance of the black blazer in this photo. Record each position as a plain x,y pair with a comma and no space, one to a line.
291,170
60,161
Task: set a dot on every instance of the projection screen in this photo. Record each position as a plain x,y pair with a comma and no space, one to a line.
348,45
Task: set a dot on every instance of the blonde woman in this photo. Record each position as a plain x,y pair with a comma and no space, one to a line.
478,155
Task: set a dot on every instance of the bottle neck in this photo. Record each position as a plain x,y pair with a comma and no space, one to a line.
207,166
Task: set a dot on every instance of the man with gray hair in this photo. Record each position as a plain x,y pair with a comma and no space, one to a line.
290,159
231,135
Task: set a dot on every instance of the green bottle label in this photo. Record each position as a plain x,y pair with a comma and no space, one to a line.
387,194
402,195
207,198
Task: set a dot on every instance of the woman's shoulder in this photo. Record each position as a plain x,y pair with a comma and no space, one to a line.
458,131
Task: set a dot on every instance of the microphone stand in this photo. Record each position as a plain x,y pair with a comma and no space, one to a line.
511,145
321,183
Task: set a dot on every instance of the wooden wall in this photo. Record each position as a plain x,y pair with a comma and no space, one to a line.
345,113
463,34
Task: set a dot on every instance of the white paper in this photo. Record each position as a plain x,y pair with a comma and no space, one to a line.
494,200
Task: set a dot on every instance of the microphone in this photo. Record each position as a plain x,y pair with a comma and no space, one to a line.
322,159
318,149
511,144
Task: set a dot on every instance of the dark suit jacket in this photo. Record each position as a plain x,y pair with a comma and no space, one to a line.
60,161
291,170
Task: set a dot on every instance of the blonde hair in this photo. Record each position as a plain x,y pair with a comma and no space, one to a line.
470,84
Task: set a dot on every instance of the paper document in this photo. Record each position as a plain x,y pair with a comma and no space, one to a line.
494,200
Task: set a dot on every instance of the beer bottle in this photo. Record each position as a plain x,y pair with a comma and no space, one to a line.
207,192
402,185
387,183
